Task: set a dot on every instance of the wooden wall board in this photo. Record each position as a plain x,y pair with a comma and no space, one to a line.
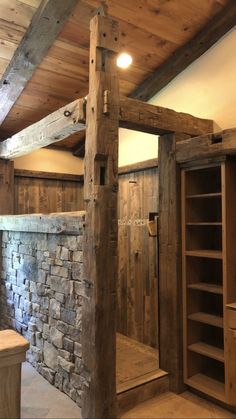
137,306
63,74
43,195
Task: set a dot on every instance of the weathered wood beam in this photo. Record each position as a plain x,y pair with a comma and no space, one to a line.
69,119
46,24
101,229
54,223
170,289
152,119
218,26
221,143
51,129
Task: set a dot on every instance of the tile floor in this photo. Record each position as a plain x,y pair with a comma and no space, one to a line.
41,400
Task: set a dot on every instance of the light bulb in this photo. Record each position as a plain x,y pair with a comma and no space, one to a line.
124,60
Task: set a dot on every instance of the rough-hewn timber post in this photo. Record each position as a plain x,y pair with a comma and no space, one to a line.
6,187
170,284
100,191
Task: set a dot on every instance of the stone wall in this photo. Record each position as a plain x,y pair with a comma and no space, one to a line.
41,297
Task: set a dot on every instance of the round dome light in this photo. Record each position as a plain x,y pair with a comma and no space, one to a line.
124,60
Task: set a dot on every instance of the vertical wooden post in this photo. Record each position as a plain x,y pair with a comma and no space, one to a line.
170,284
6,187
100,191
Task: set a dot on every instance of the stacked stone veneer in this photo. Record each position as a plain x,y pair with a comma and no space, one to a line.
41,282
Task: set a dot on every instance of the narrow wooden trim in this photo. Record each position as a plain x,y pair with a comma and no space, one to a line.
139,166
48,175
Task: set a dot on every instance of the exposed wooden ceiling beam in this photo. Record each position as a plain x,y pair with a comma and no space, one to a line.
51,129
71,119
218,26
46,24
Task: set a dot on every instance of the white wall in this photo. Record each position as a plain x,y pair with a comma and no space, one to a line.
48,160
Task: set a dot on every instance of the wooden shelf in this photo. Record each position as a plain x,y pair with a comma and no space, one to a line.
205,384
207,350
213,254
204,224
207,318
208,287
207,195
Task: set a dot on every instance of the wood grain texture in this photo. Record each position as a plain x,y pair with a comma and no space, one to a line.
153,119
46,24
170,295
10,391
13,348
55,223
6,187
218,26
45,193
100,251
137,299
56,126
207,146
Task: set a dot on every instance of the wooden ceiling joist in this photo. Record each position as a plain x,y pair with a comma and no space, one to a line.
72,118
55,127
207,146
46,24
218,26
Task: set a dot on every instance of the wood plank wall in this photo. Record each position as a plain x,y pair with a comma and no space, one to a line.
138,283
37,192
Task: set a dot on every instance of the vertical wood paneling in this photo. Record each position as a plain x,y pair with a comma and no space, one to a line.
34,195
137,301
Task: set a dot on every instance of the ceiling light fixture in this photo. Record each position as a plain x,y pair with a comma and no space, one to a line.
124,60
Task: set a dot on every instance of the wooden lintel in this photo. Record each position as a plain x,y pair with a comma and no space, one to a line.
218,26
46,24
53,128
153,119
205,146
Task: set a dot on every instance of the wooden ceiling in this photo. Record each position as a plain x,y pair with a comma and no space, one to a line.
151,31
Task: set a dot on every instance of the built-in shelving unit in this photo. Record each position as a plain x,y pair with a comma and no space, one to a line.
203,279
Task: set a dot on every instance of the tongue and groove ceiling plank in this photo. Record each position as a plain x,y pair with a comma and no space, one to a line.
47,22
218,26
